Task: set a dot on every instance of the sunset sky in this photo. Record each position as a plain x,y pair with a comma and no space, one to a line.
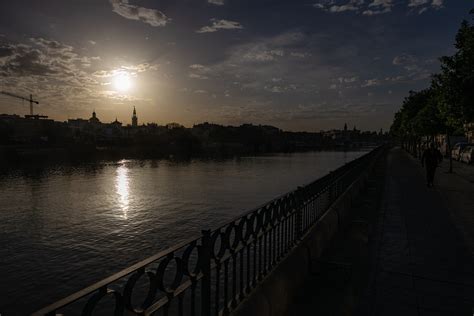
295,64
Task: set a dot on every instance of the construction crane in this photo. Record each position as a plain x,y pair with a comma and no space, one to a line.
22,98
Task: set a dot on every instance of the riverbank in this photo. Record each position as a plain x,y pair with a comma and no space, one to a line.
18,156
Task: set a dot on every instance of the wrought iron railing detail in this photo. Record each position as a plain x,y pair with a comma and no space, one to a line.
213,273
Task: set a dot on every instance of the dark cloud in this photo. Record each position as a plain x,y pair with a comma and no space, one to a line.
40,58
26,62
58,74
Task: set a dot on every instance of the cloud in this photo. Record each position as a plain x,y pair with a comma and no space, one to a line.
404,59
133,12
58,74
141,67
437,4
216,2
220,25
300,54
370,83
266,50
264,55
266,113
41,57
266,70
416,3
347,79
343,8
266,64
415,69
424,5
130,69
117,96
375,7
379,7
381,3
197,76
198,67
281,88
333,7
199,72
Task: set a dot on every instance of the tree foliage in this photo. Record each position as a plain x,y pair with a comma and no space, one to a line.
448,103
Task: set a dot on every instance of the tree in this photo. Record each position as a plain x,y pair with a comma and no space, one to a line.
454,86
448,104
407,121
428,121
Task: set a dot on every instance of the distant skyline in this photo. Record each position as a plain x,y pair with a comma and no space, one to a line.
298,65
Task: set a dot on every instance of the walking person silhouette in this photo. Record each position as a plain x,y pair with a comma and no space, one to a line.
430,159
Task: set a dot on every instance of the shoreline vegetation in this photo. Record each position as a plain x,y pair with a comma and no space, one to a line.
444,110
56,142
16,156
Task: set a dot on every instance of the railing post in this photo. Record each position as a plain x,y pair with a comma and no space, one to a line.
299,213
205,261
331,188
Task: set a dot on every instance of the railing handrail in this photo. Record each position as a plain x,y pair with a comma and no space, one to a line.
102,284
110,279
293,191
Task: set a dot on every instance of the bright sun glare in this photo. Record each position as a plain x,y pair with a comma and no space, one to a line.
122,82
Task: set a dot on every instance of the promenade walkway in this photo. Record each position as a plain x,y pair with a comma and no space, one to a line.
416,256
421,263
457,191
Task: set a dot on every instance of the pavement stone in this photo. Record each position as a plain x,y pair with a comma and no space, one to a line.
423,263
419,255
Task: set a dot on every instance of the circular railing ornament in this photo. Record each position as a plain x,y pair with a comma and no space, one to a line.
92,302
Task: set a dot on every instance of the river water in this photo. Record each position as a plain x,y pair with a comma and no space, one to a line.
65,227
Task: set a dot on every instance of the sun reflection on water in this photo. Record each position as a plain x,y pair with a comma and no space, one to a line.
122,189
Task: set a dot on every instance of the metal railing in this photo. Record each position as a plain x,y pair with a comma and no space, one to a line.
213,273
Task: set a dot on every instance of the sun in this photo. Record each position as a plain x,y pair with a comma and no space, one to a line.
122,82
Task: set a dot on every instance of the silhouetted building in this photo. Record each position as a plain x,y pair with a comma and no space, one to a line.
174,125
77,123
94,119
116,123
134,118
17,130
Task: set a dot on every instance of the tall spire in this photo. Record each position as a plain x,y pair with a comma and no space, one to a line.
134,118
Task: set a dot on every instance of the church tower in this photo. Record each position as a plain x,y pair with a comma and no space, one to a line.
94,119
134,118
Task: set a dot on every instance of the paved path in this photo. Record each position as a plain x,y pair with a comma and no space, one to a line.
457,191
460,169
421,262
